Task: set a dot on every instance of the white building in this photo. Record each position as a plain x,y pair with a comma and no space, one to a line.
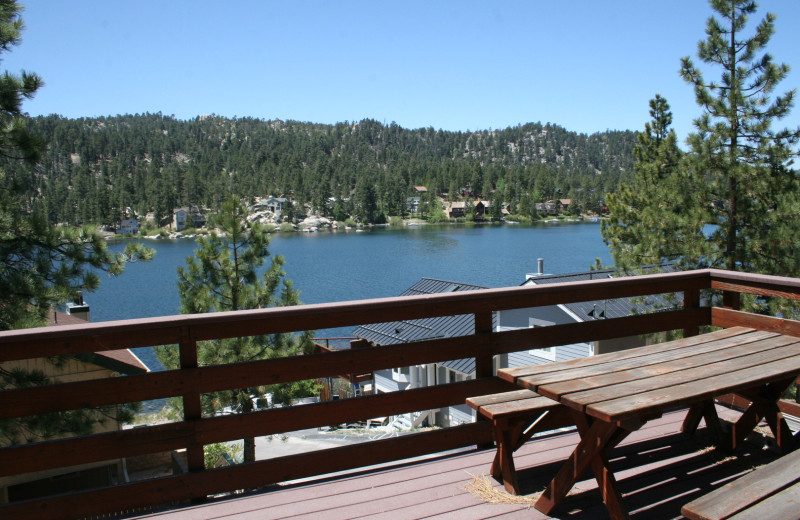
128,226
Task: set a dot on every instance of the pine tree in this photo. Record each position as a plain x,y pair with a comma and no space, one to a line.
497,205
740,164
366,202
652,218
41,266
224,276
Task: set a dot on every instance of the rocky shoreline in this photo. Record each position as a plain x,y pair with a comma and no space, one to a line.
315,224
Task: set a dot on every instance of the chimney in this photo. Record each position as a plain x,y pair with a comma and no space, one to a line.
540,271
78,308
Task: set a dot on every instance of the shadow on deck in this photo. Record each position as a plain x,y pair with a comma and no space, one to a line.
659,470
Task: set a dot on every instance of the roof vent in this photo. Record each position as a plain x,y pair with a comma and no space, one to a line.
595,313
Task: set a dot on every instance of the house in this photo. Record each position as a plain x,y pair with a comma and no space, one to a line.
99,365
412,205
188,216
456,209
565,204
546,208
409,331
272,204
128,226
420,189
590,310
482,208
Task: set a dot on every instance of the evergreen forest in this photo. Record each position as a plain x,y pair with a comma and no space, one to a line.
101,170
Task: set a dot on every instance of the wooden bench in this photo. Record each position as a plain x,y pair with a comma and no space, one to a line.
769,492
516,416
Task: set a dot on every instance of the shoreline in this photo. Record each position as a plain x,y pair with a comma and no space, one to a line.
412,222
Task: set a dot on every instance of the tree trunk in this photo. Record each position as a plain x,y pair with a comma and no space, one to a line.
249,452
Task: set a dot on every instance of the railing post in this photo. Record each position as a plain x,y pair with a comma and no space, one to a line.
483,356
691,300
192,410
483,359
731,300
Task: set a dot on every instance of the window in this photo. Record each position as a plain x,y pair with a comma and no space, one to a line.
545,352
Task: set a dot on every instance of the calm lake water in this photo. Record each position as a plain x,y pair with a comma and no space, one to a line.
339,266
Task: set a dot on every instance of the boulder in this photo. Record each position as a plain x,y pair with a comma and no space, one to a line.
314,222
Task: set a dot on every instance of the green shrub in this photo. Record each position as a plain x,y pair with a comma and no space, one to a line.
212,453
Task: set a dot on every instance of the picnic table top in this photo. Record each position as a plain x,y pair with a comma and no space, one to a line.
647,380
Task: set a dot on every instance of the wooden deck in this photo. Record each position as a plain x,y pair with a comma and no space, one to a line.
659,471
411,490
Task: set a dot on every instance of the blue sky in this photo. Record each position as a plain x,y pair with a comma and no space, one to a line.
456,65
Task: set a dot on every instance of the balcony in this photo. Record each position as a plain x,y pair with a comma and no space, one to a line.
394,483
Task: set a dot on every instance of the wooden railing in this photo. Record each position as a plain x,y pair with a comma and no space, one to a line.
190,381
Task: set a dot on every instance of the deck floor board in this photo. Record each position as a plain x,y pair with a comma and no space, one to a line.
658,470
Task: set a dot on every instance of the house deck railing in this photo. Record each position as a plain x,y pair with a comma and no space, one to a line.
191,380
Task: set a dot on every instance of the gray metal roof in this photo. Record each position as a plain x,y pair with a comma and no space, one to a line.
408,331
613,307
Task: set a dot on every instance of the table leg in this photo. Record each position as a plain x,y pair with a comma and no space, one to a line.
596,440
707,411
602,474
503,469
764,404
511,434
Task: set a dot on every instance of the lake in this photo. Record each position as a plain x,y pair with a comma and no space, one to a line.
332,266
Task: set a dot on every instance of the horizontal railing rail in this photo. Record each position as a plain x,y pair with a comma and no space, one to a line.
113,335
192,380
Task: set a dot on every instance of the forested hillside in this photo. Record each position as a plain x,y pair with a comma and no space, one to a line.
95,168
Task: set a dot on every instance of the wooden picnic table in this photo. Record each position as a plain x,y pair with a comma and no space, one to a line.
612,395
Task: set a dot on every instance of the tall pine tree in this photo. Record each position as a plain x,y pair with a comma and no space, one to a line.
651,219
740,164
225,275
41,265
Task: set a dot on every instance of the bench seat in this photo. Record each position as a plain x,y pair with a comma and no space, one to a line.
770,492
516,416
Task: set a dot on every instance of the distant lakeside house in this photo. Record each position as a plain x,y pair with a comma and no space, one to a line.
412,205
553,207
458,209
188,216
274,205
128,226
